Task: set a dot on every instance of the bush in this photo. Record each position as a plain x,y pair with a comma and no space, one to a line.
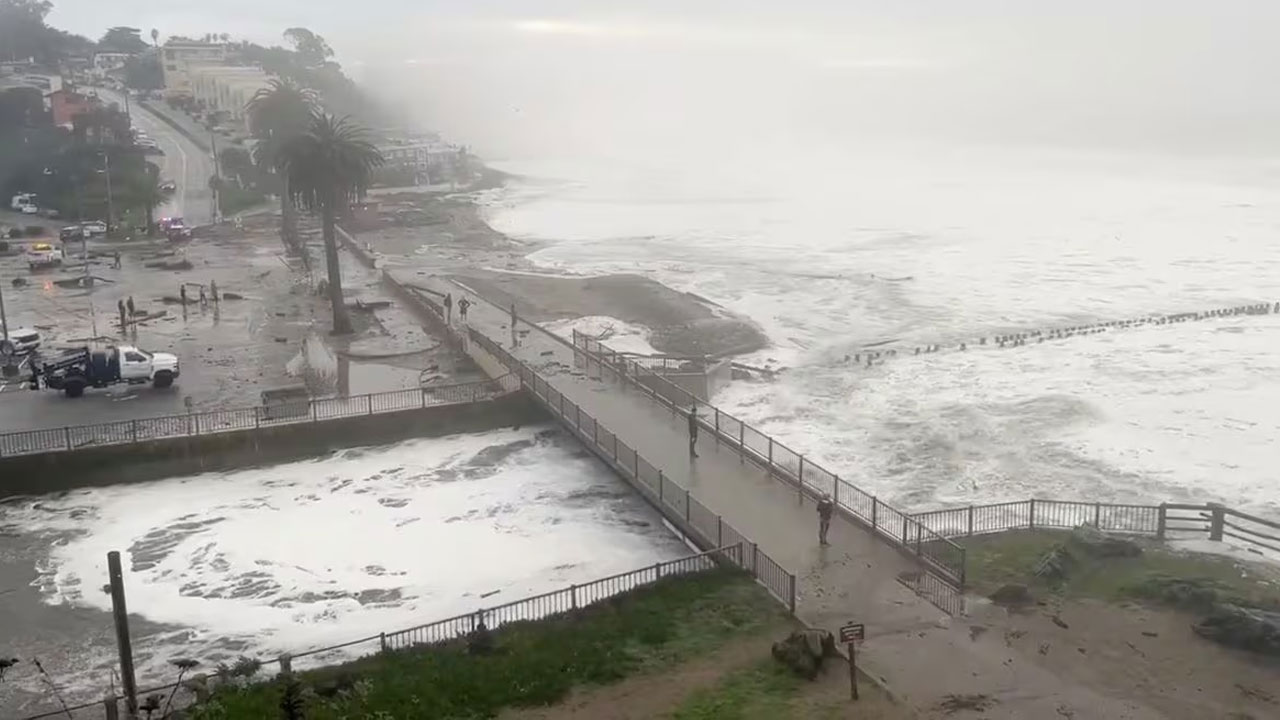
34,231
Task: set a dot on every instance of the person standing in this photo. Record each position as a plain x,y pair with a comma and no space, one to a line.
693,431
463,304
825,510
213,291
182,294
120,307
448,308
116,260
129,304
515,340
204,299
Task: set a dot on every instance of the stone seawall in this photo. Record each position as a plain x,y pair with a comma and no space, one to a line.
155,459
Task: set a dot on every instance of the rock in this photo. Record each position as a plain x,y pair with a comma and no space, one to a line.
740,374
232,296
1242,628
1012,595
804,650
19,282
1059,622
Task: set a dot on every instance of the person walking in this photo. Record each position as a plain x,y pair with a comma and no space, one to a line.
120,307
204,299
213,291
129,304
463,304
448,308
825,509
115,260
693,431
515,339
182,294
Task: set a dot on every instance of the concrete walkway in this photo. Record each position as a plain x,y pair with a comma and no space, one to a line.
920,653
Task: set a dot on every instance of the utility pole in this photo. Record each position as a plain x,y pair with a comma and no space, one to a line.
111,206
123,643
217,176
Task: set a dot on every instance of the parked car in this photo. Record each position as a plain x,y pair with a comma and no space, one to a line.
25,340
169,186
95,227
30,210
43,255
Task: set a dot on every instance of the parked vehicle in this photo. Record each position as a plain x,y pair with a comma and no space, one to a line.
30,210
43,255
96,227
87,367
21,200
25,340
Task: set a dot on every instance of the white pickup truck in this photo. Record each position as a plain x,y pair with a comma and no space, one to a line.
85,367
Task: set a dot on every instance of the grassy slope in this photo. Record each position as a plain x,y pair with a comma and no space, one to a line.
1011,557
536,663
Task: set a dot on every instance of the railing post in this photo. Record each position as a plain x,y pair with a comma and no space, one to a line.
1160,523
660,484
686,506
904,529
835,479
314,414
286,664
577,416
800,480
368,401
595,433
382,641
657,570
875,512
573,596
67,433
1097,515
1031,516
742,442
197,419
964,564
133,428
791,581
970,532
770,455
719,531
615,446
1216,521
635,462
754,552
423,394
110,707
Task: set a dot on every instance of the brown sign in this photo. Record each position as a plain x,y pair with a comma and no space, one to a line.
852,633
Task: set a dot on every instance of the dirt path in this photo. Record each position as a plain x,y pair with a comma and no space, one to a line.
661,694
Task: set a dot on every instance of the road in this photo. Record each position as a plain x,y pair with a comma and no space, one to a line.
184,163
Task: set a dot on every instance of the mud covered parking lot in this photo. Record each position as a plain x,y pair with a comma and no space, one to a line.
229,351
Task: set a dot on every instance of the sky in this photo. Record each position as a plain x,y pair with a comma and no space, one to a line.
519,76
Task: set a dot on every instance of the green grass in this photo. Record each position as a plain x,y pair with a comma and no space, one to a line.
535,663
1011,557
760,692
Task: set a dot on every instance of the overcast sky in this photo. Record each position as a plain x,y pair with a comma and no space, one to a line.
1178,74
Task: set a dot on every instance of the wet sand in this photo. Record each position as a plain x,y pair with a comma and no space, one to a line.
452,238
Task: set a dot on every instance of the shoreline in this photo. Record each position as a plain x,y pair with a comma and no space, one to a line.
451,237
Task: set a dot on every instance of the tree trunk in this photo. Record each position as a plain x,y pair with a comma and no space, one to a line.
288,219
341,320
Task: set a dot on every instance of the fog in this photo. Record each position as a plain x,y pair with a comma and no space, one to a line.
519,78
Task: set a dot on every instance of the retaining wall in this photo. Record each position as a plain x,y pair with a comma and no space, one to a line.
170,457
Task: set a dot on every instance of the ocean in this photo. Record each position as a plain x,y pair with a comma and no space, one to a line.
837,250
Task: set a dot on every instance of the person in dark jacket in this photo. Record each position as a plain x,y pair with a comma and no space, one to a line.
826,508
693,431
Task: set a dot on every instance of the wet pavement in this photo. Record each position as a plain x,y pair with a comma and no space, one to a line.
921,653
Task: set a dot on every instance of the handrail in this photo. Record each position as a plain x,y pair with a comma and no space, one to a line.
930,548
125,432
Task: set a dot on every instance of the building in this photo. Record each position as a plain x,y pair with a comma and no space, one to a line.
432,161
45,82
107,62
180,56
227,89
65,104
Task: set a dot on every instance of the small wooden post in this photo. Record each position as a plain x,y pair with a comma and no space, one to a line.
742,442
1161,522
573,596
382,641
800,480
719,531
660,484
125,646
771,455
286,664
1097,515
835,479
853,670
1216,521
970,533
875,511
110,708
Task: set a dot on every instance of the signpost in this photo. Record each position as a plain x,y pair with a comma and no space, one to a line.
852,634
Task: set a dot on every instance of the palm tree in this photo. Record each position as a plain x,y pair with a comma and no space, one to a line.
155,37
149,193
328,168
278,113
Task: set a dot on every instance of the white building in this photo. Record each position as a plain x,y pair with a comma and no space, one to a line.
106,62
227,89
432,161
179,56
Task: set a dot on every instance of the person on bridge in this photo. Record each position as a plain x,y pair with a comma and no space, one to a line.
515,339
448,308
463,304
693,431
825,509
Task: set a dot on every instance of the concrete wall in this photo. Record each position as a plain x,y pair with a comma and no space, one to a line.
172,457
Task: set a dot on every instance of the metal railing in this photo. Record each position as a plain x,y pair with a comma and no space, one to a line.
936,552
123,432
693,519
1161,521
537,607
